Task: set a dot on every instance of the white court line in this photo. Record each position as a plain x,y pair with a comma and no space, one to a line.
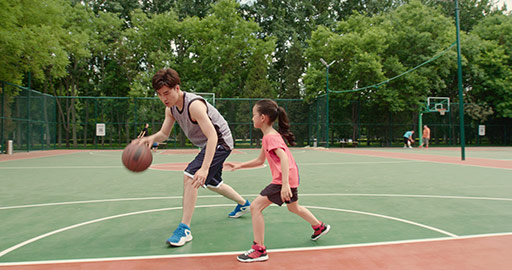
163,169
408,196
61,167
29,241
103,154
386,217
105,200
387,243
361,162
254,195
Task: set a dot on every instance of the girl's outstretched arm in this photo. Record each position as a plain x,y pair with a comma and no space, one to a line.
247,165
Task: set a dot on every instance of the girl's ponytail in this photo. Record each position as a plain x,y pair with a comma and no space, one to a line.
284,126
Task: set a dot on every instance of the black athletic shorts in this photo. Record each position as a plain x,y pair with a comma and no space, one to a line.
214,178
273,193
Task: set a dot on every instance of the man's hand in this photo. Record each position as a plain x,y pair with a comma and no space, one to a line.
148,141
200,178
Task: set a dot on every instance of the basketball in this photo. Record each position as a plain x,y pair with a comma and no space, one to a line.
137,157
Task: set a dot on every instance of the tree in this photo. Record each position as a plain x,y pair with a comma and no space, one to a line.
471,11
224,43
489,53
32,38
371,50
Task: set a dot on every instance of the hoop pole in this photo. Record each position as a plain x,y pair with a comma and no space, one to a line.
420,128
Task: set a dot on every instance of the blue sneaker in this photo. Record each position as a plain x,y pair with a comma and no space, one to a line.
240,210
181,235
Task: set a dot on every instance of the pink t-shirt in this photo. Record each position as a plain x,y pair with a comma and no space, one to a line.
270,143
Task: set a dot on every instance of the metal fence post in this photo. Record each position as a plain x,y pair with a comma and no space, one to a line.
2,144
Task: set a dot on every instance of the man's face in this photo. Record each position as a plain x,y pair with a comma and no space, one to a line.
168,96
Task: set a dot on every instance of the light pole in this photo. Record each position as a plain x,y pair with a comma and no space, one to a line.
459,82
327,99
459,75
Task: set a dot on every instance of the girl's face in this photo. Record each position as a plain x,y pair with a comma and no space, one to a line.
257,118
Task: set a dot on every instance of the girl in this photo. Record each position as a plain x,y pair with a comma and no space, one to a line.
285,177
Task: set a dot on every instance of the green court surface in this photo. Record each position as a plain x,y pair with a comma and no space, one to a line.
86,205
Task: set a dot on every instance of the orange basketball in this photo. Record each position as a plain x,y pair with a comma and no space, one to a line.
137,157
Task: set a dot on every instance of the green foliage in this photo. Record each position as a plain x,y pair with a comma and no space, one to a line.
489,52
223,45
269,48
33,38
369,50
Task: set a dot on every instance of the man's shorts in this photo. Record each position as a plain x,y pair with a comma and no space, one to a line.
214,178
273,193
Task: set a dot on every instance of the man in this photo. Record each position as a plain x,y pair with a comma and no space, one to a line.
408,138
206,128
425,136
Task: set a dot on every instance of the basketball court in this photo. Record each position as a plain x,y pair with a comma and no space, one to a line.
389,208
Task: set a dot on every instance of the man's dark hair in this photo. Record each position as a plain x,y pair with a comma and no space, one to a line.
165,77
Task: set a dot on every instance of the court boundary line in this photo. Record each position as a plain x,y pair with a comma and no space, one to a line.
34,239
400,242
254,195
60,167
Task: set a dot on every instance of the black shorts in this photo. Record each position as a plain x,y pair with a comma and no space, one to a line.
214,178
406,140
273,193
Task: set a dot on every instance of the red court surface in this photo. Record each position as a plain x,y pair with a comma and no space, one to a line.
479,162
37,154
486,252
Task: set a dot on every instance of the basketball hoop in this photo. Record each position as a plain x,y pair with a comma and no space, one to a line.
441,111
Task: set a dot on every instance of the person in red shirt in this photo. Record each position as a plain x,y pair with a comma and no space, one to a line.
425,136
285,177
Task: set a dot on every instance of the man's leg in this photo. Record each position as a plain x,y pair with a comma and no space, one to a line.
183,233
228,192
189,200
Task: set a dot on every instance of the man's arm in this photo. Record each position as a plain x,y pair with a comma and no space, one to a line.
162,134
199,114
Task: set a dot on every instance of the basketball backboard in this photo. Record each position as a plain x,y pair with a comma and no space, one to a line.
438,104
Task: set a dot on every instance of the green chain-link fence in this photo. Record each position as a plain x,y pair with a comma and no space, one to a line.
37,121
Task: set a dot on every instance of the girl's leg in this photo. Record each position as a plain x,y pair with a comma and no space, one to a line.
303,212
258,222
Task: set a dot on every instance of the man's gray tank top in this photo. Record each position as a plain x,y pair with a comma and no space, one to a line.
192,129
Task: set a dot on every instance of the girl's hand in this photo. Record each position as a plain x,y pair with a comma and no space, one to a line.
232,166
286,193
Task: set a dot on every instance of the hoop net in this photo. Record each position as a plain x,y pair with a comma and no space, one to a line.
441,111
